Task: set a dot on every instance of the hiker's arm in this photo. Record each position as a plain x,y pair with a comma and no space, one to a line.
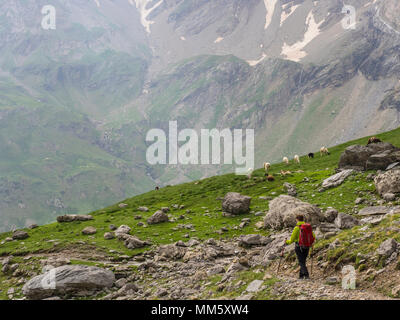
294,237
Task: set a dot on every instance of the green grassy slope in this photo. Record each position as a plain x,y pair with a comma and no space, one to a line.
201,198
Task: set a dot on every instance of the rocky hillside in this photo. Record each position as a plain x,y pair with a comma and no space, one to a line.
76,102
221,237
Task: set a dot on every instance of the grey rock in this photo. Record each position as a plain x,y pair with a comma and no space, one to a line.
216,270
74,217
291,189
359,157
253,240
330,215
337,179
158,217
254,286
345,221
392,166
143,209
235,203
389,197
63,280
20,235
109,236
123,229
131,242
283,211
387,247
373,211
89,231
388,182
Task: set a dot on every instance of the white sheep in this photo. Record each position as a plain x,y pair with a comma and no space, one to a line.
249,172
286,160
267,166
297,159
324,151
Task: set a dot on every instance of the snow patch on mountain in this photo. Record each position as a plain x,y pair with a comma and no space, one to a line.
295,52
285,15
141,5
253,63
270,7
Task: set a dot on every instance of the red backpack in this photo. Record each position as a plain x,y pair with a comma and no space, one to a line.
306,237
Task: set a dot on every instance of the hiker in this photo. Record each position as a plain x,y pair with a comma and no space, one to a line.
304,238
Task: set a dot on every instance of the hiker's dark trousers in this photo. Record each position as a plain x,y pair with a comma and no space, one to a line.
302,254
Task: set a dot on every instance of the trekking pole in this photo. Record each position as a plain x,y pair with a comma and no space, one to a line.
280,259
312,259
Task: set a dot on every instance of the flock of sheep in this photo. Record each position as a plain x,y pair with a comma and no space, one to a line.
323,152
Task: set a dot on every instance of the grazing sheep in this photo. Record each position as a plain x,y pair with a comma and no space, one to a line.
285,173
324,151
373,140
249,173
311,155
297,159
270,178
286,160
267,166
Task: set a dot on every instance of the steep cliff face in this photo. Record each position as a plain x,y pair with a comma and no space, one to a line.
76,102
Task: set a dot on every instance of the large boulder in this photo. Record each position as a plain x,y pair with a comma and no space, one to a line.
359,157
345,221
383,160
235,203
374,211
388,182
158,217
74,217
20,235
387,247
284,209
75,280
337,179
131,242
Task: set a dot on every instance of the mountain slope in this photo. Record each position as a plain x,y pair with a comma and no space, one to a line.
202,210
112,70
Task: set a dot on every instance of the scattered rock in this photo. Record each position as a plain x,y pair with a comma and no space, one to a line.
389,197
123,230
387,247
158,217
376,156
122,205
253,240
291,189
89,231
131,242
20,235
254,286
74,217
143,209
235,203
374,211
359,201
330,215
109,236
216,270
75,280
337,179
388,182
284,209
345,221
